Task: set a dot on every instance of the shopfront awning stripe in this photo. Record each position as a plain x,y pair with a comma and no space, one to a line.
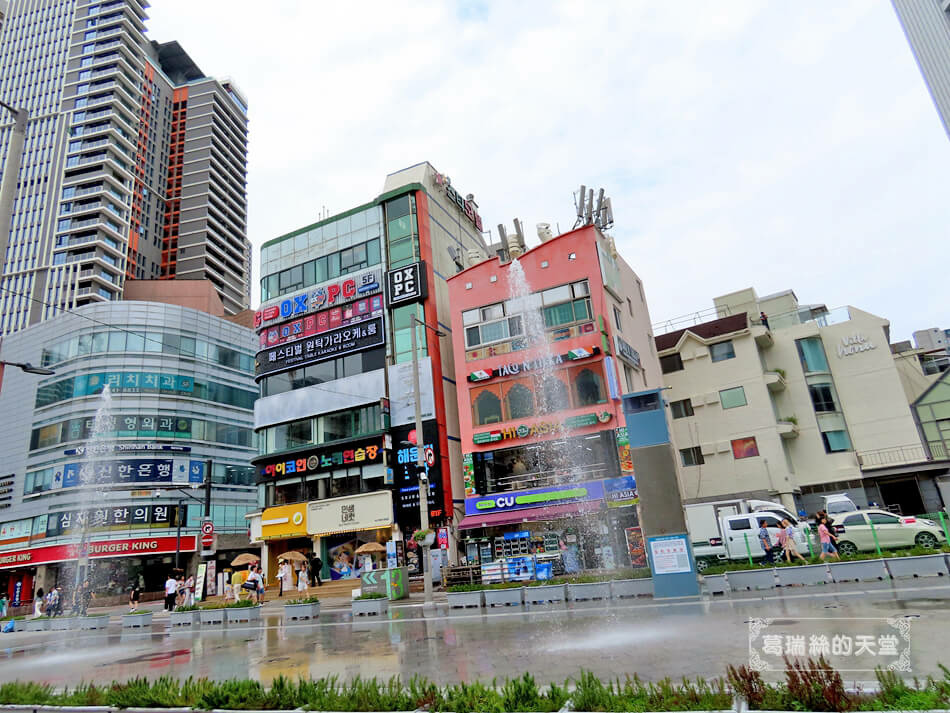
552,512
349,529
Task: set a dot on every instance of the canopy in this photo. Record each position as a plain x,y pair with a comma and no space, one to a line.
370,548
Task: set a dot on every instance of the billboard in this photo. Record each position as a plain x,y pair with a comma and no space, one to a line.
337,342
405,480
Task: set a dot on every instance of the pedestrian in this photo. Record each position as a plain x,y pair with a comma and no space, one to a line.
303,579
52,602
281,573
3,606
765,540
86,595
260,585
190,591
251,584
171,590
788,544
134,596
764,319
317,569
825,536
180,590
38,603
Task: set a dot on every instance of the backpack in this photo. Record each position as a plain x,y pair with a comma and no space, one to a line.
9,627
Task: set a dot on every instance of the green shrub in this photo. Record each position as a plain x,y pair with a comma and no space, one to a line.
189,607
305,600
240,604
372,595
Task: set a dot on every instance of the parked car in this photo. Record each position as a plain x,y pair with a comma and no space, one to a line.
854,533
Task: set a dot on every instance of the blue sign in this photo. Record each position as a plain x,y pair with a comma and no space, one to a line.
145,470
196,471
520,535
536,497
543,570
621,491
17,593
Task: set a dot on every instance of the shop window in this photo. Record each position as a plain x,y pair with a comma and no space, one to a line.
732,398
682,408
822,397
722,351
836,441
691,456
520,402
671,363
487,407
812,354
745,448
554,396
588,387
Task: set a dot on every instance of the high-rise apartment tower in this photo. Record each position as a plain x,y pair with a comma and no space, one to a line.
926,24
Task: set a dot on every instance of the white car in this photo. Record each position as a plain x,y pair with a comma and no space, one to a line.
853,530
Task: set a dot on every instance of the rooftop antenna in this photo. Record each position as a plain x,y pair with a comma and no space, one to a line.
580,205
600,214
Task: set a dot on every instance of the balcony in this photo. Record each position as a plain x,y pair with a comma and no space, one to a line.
898,455
775,381
787,429
762,336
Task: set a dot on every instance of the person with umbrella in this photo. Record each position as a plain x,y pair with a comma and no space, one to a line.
370,549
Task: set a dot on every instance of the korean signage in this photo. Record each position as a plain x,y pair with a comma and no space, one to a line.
623,450
626,352
351,513
124,382
120,517
620,492
100,449
144,470
138,547
135,426
321,322
16,530
337,342
405,479
515,368
540,428
328,294
466,206
284,521
366,452
406,284
537,497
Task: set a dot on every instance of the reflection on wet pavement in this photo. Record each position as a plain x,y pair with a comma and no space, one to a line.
652,639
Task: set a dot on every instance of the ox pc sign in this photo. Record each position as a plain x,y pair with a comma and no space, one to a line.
407,284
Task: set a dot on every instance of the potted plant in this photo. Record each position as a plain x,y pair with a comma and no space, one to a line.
244,610
545,593
371,603
583,589
184,615
307,608
139,618
211,614
631,584
94,621
857,570
751,579
464,596
64,623
423,537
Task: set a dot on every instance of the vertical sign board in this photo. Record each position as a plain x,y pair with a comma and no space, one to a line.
212,578
407,284
200,582
671,561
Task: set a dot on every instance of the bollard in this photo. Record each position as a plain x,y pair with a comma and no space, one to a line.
943,524
811,552
877,545
748,549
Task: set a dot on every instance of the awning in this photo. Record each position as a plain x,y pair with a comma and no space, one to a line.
552,512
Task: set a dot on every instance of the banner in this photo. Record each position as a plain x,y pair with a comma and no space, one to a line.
200,582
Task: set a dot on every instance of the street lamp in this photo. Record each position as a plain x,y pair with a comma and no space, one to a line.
11,172
421,463
29,368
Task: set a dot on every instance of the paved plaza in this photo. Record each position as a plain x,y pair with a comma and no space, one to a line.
650,638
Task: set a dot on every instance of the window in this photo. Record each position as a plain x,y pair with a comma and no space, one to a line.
642,403
836,441
671,363
490,325
822,397
731,398
487,408
520,402
692,456
853,520
682,408
553,396
812,354
880,518
745,448
722,351
588,387
741,523
617,319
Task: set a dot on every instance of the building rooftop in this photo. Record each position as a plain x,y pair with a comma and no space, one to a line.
706,330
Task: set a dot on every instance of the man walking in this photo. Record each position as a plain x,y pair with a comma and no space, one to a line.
171,591
765,540
317,569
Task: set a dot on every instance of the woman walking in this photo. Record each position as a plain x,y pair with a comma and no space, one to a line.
303,579
825,536
788,542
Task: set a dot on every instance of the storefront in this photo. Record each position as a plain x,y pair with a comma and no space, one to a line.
115,565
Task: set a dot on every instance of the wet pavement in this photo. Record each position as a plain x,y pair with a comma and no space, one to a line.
653,639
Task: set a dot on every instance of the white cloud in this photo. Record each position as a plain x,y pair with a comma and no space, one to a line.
743,143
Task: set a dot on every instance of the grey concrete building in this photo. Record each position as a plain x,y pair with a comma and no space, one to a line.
926,25
133,165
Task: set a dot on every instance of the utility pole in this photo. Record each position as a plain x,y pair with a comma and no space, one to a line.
11,172
421,469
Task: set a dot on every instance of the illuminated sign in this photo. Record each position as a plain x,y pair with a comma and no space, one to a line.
108,548
315,298
118,517
519,367
620,492
316,461
405,479
284,521
320,322
115,472
537,497
541,428
407,284
337,342
466,206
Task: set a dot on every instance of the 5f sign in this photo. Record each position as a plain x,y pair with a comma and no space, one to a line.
407,284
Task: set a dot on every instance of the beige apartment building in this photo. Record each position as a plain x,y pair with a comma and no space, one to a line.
778,400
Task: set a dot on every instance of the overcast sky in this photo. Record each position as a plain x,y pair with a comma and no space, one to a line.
761,144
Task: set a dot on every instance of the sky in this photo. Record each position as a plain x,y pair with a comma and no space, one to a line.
743,144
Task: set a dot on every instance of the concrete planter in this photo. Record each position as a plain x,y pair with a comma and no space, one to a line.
545,594
64,623
465,600
184,618
860,571
588,591
242,614
39,624
136,621
87,623
211,616
504,597
629,588
922,566
715,583
751,579
294,612
804,575
370,607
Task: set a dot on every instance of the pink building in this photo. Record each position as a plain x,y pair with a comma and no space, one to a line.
546,467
